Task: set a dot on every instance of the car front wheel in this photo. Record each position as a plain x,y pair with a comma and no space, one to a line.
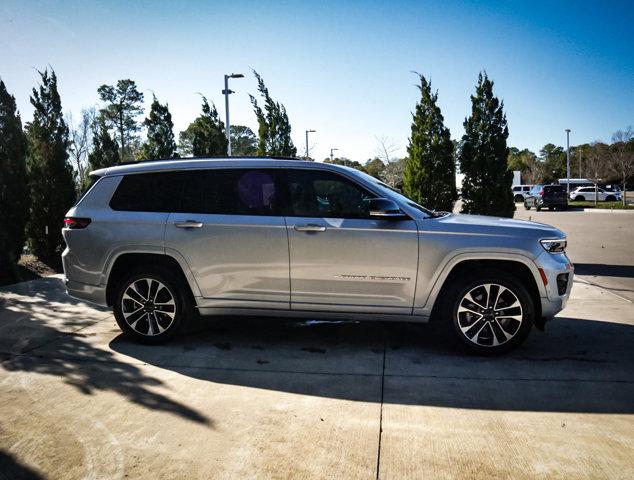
526,206
491,314
151,306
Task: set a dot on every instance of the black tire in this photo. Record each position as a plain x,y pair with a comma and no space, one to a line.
519,198
144,328
538,208
610,198
470,283
580,198
526,206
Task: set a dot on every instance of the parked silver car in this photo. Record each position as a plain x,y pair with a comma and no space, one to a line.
160,240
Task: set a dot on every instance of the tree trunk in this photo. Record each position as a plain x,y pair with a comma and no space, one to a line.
596,193
624,193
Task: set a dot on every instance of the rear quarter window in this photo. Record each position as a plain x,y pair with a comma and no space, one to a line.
148,192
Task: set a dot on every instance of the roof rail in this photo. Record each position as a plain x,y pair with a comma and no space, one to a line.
255,157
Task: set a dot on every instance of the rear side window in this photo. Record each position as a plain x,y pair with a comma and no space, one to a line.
553,188
232,192
148,192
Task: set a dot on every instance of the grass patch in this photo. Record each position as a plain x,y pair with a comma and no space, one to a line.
602,205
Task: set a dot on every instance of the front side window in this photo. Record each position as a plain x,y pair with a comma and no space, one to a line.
147,192
231,192
315,193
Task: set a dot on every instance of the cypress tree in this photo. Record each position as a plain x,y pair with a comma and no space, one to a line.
486,189
51,184
205,136
274,128
160,133
14,197
105,152
430,171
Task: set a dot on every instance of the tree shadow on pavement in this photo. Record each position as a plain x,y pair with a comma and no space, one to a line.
603,270
12,469
54,320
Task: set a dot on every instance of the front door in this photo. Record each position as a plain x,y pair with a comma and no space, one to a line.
341,259
230,230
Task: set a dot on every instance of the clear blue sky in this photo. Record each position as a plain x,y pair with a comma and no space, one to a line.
341,68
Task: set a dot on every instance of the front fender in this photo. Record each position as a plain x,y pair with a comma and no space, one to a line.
426,297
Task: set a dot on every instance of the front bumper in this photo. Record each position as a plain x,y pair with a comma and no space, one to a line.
559,274
83,291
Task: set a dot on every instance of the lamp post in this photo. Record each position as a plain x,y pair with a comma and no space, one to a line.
226,93
307,132
568,160
332,150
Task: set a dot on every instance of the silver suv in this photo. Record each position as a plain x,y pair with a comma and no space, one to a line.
159,241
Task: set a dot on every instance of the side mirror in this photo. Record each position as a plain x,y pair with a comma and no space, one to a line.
385,208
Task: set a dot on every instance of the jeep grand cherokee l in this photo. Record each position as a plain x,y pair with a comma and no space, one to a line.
158,241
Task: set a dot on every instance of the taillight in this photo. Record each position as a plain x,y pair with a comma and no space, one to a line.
75,223
541,194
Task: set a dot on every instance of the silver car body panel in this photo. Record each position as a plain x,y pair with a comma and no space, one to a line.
365,269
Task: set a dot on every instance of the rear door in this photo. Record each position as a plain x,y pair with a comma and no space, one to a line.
230,230
341,259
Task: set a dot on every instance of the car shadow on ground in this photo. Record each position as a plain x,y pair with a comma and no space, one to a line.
575,366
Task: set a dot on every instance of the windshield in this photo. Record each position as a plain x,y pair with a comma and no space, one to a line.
392,192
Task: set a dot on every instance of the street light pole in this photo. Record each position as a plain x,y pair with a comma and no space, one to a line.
332,150
568,160
226,93
307,132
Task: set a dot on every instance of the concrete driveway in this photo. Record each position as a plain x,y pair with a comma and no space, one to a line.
248,398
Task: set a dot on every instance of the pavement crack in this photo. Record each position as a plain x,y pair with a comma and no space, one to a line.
378,453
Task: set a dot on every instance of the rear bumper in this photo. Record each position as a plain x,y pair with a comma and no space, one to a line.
83,291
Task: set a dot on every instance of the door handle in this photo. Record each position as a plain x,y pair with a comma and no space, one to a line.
188,224
311,227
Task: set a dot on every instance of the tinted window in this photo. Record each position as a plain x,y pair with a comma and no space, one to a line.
147,192
316,193
553,188
517,189
231,192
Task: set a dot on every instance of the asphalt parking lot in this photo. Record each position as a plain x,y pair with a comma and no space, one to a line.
252,398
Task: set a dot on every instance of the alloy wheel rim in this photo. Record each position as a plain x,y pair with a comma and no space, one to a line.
148,306
489,315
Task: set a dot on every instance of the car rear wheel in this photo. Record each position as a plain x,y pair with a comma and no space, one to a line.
151,306
610,198
518,198
490,313
580,198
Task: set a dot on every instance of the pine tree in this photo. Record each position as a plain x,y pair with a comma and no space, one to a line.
160,134
205,136
123,104
486,188
51,184
105,152
14,196
430,171
274,130
243,141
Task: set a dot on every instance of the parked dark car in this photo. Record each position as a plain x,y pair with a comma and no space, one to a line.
552,197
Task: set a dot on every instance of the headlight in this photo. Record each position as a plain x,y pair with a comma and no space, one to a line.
554,245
